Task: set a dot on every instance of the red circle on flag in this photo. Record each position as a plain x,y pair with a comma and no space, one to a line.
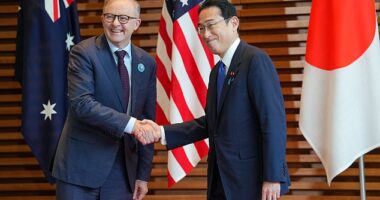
340,31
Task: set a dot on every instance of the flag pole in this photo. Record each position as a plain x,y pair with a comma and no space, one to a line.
362,178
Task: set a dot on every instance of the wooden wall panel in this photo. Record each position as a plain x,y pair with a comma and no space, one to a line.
277,26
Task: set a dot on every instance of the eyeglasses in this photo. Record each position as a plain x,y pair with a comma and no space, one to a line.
209,26
123,19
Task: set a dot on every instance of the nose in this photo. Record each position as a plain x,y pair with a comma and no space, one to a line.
206,33
115,21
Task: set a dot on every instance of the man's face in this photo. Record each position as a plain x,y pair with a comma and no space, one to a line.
120,34
216,32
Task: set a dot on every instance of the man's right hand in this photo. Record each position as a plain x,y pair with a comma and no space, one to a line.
147,131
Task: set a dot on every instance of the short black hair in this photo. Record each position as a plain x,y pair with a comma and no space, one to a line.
226,8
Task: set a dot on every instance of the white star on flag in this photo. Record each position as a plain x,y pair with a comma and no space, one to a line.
184,3
69,41
48,110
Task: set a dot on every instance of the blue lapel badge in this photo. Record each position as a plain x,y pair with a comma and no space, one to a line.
141,67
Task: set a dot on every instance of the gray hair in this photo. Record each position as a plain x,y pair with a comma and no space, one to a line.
106,2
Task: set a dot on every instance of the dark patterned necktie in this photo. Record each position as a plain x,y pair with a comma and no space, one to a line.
220,80
123,73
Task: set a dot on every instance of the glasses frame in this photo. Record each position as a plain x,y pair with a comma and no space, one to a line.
209,26
126,17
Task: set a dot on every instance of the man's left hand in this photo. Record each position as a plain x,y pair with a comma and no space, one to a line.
141,188
271,191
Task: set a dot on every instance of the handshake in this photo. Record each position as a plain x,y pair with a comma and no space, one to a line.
147,131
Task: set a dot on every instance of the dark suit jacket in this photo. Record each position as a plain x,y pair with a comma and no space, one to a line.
94,128
247,133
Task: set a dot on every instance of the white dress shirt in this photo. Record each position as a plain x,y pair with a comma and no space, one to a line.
128,63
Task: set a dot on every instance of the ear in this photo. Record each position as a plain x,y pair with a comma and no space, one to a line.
137,23
235,22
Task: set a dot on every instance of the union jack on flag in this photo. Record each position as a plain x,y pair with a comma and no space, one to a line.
183,68
53,9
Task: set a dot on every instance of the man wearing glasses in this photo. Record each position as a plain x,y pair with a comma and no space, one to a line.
111,87
244,115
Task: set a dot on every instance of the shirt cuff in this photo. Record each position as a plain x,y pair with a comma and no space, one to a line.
163,139
131,123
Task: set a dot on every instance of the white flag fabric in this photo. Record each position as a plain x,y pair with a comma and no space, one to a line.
340,102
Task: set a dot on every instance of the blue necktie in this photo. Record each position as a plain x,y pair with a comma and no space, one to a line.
220,80
123,72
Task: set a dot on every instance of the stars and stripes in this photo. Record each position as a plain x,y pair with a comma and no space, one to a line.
47,29
183,68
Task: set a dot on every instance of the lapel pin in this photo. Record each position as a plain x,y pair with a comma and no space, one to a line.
141,67
232,77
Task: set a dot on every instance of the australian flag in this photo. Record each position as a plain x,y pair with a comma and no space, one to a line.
47,29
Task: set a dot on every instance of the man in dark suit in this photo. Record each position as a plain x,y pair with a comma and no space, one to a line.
244,115
111,87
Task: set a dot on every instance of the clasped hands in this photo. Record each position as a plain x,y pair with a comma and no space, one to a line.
146,131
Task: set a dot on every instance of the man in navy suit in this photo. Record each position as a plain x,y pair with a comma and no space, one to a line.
244,115
111,87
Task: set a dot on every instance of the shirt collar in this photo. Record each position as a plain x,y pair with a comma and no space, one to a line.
230,53
115,48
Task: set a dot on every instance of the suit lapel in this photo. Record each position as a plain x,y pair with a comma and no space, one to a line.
105,56
232,72
211,108
138,71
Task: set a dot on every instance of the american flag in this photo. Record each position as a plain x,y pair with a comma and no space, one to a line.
183,67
